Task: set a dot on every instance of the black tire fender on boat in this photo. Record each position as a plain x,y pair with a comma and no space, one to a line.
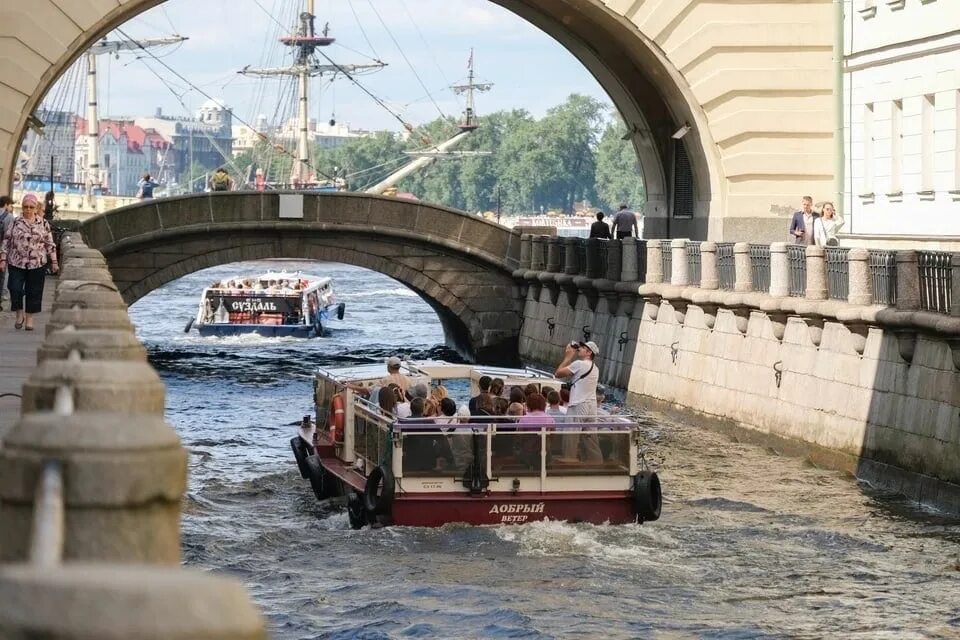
300,453
379,490
647,497
316,474
341,308
355,511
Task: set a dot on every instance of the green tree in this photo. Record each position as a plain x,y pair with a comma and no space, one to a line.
619,178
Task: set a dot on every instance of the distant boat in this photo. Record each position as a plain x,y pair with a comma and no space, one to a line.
273,304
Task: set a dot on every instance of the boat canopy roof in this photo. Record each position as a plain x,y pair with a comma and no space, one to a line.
281,281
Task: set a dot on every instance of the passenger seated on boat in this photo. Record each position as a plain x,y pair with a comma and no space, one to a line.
484,406
500,406
531,389
496,387
554,409
448,409
387,401
536,415
403,405
424,452
484,384
517,395
438,393
515,409
431,409
420,390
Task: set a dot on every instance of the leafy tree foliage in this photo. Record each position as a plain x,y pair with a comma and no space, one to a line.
574,153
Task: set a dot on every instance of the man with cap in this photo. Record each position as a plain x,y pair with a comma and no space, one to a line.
578,365
394,376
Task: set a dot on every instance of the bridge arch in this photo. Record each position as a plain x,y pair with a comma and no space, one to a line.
459,264
754,87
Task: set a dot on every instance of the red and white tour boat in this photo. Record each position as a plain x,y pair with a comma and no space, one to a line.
479,470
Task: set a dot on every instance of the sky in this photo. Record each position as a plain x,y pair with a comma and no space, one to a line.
426,44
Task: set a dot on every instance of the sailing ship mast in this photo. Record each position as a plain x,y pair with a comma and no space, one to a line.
92,177
305,42
468,124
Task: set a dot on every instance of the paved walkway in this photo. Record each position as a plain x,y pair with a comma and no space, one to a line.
18,355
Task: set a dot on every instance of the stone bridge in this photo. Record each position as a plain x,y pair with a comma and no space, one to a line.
459,264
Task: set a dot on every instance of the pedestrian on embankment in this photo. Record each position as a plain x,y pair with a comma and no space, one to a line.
25,253
625,223
6,221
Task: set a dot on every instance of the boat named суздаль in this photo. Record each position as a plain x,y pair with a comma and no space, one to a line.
275,304
477,470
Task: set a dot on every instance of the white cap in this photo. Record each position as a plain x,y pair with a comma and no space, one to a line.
393,362
593,347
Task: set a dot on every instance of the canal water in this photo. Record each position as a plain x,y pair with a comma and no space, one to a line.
751,544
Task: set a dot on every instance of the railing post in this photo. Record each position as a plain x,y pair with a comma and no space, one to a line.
628,260
594,263
680,275
816,288
570,266
861,282
654,262
955,284
614,260
742,267
709,277
526,240
537,260
908,281
779,270
553,255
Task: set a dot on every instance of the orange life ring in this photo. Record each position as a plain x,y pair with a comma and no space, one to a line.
337,417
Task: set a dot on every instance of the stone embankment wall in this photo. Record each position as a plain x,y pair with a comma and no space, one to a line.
778,339
91,483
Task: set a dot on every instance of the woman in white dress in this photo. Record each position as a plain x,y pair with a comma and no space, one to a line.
826,227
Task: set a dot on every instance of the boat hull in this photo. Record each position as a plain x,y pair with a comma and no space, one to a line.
266,330
489,508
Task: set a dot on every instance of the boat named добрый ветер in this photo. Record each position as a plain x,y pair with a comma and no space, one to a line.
475,470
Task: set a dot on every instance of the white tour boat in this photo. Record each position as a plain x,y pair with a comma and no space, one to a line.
274,304
479,470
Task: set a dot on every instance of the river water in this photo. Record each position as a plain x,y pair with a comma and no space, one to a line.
751,544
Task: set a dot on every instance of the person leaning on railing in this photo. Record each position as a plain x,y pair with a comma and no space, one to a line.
826,227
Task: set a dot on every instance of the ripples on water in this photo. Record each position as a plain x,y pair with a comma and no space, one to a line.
751,544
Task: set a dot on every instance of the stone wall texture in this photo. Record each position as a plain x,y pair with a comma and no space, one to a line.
893,410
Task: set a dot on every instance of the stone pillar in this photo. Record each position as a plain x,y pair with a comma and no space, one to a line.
861,283
594,266
79,600
955,286
779,270
741,264
553,255
709,278
816,273
679,277
654,262
571,265
525,242
537,258
908,281
629,271
614,260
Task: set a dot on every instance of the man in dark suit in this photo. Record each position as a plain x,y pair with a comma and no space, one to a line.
801,226
599,229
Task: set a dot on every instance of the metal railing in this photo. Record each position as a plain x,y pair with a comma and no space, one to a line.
838,273
936,280
667,259
797,269
693,263
726,266
883,273
760,266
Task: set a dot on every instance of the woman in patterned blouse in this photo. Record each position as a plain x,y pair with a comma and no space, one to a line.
24,252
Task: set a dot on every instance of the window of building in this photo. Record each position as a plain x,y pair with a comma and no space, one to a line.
927,144
868,157
896,149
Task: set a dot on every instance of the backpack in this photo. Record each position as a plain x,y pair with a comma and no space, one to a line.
221,181
3,223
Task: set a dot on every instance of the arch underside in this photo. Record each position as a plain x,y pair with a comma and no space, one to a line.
476,304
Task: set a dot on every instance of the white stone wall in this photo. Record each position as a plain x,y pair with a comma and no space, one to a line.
877,406
903,123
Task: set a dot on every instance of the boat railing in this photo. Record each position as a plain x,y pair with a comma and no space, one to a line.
606,446
371,437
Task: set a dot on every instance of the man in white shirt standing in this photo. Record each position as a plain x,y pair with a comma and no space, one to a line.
578,365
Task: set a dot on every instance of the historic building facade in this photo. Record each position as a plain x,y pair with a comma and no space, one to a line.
902,89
